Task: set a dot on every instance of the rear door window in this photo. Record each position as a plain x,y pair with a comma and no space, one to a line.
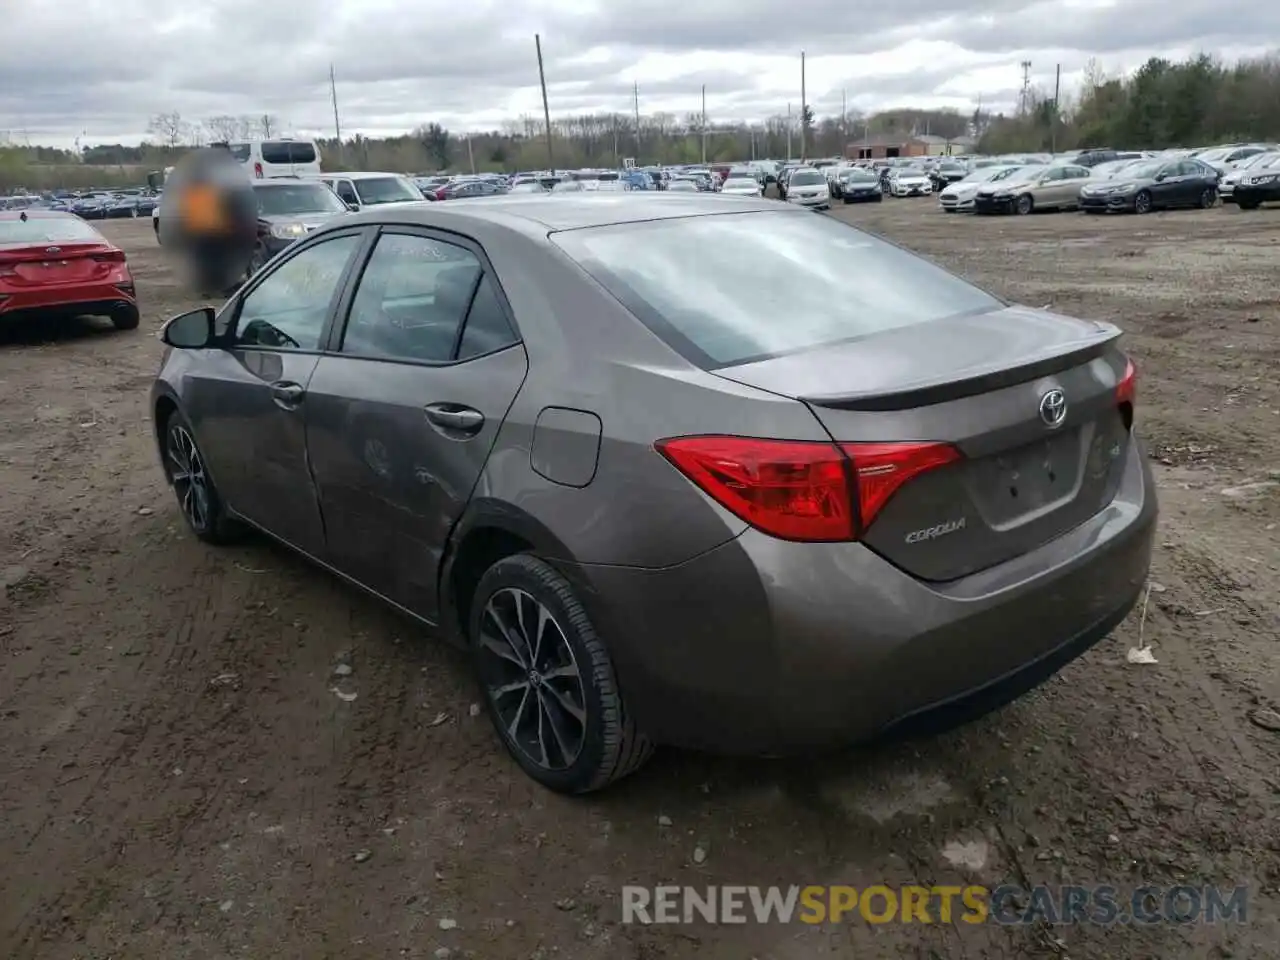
735,288
412,299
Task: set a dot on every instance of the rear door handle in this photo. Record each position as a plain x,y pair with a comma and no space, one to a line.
455,417
287,394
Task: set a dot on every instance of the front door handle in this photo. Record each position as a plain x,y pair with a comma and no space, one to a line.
455,417
287,394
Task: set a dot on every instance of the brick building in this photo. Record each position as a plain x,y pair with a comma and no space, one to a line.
883,147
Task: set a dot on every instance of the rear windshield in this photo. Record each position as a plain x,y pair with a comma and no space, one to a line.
375,190
735,288
296,199
287,151
46,230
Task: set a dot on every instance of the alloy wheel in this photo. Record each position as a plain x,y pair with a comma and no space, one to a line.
532,679
1142,202
187,473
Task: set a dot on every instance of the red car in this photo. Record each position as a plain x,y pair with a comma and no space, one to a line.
55,263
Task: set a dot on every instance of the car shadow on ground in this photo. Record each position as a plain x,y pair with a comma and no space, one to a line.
38,331
817,783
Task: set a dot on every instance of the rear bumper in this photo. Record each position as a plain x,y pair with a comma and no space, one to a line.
98,299
766,647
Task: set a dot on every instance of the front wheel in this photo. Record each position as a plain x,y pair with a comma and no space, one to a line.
548,680
1024,205
188,473
1142,202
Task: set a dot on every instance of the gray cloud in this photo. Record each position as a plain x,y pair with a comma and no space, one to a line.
472,64
1156,24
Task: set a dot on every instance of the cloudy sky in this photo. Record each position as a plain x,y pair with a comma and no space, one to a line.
99,69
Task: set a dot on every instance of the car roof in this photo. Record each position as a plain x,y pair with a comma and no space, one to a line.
567,211
359,175
37,213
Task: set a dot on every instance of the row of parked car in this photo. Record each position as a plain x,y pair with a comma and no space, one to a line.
1096,181
88,204
1140,185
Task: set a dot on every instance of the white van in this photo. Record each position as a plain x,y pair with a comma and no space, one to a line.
280,157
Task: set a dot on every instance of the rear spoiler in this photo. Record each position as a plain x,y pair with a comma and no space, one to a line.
926,392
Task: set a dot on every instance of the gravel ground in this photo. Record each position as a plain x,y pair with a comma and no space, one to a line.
178,779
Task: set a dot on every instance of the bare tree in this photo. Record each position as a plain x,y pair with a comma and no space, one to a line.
169,127
267,125
223,128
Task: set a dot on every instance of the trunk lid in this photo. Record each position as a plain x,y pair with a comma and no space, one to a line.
984,383
41,264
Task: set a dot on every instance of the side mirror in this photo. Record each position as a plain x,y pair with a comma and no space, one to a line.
1161,176
352,206
189,331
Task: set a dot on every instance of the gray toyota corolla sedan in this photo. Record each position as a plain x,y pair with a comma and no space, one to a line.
676,468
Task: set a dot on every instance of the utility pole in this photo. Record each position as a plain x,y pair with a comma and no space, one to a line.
333,95
788,133
844,125
804,111
753,143
1053,132
617,162
471,157
704,124
635,102
1025,103
546,110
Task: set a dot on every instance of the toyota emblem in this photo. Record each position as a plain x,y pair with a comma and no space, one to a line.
1053,408
52,250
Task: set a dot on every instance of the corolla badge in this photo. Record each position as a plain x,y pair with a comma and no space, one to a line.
1053,408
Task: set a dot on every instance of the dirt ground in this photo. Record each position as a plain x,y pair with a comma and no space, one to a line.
179,780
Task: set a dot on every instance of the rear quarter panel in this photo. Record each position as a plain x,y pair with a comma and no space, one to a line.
586,352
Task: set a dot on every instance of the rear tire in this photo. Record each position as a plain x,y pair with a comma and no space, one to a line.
534,648
1208,198
126,318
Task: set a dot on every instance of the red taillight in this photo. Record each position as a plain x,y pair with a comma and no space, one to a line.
440,194
882,468
110,256
1127,393
800,490
793,490
1126,389
257,170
